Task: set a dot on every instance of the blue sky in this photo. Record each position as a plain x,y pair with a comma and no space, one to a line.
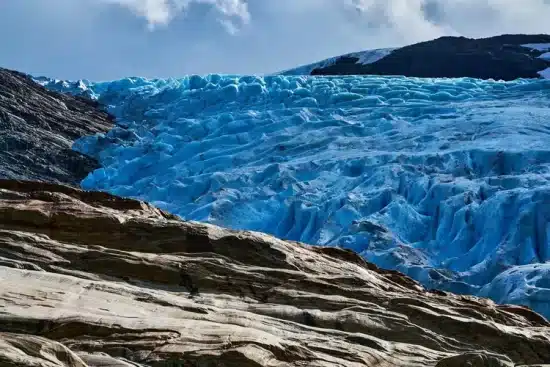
108,39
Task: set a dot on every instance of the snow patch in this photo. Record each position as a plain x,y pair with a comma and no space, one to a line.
365,58
537,46
542,47
371,56
545,73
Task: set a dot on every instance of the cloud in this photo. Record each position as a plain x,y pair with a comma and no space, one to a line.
423,18
407,20
231,13
293,32
193,36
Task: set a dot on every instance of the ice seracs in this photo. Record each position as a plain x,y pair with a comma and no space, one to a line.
446,180
528,285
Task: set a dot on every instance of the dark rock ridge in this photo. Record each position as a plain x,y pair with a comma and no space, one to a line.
38,127
499,58
92,280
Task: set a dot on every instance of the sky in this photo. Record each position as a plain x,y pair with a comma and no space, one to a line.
111,39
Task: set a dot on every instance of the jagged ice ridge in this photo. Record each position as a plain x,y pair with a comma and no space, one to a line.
446,180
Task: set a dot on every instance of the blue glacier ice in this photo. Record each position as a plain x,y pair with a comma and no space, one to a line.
446,180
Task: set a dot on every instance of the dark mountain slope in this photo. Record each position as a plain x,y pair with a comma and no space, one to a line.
38,127
501,57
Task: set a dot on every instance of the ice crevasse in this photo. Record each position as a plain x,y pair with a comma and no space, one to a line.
446,180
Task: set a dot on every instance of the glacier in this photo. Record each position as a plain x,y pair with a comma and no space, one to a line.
445,180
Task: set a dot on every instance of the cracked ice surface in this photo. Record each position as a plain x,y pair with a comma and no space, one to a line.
446,180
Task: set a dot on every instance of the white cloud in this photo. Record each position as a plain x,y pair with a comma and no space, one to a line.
270,35
408,20
421,19
231,13
294,32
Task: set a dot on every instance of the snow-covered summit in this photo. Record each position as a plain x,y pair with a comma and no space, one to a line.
505,57
362,58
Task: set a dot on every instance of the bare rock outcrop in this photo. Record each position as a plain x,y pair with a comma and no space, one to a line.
38,128
499,57
89,279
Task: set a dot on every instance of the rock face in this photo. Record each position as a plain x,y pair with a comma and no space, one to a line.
501,57
38,127
88,279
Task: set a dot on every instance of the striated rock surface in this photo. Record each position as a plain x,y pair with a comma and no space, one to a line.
88,279
37,130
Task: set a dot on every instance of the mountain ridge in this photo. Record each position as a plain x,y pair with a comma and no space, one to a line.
500,57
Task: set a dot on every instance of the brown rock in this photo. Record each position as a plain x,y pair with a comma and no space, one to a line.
88,279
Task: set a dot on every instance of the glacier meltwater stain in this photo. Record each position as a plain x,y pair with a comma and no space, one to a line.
446,180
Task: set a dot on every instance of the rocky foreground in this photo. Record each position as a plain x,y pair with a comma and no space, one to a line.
89,279
38,128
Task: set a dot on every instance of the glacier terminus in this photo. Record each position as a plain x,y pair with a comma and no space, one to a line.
445,180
